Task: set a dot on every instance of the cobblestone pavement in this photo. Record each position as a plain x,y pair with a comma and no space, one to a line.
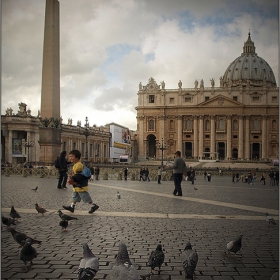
146,214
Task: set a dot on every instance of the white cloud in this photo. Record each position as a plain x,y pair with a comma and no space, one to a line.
108,47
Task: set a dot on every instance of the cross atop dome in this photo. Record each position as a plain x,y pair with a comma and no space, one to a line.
249,46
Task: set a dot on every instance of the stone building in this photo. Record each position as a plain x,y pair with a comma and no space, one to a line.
20,138
238,119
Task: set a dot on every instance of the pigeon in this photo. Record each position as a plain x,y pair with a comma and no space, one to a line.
63,224
89,264
40,209
118,195
66,217
195,188
21,237
275,276
27,253
8,221
35,189
156,259
189,259
234,246
123,268
270,220
14,213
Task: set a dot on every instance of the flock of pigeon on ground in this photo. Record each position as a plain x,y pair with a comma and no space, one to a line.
123,269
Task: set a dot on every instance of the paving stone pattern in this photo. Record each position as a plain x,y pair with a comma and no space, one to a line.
60,253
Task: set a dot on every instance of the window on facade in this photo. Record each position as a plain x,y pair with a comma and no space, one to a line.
188,136
256,98
151,125
235,98
221,124
256,137
171,125
234,136
151,99
274,99
188,99
256,125
274,125
206,98
171,100
235,125
207,125
188,124
207,136
90,150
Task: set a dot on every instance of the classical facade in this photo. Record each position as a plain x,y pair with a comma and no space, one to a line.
20,137
238,119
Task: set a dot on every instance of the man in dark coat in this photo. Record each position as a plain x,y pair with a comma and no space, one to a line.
62,171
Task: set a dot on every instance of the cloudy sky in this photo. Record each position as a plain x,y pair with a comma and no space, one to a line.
107,47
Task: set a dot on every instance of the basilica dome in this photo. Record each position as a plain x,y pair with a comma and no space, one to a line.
248,67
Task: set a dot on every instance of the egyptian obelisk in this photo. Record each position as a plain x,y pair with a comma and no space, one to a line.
50,128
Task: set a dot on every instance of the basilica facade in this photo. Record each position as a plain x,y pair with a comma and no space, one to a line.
238,119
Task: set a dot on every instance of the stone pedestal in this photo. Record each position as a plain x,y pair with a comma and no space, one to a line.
50,145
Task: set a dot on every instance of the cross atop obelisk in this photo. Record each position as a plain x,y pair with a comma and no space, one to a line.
50,126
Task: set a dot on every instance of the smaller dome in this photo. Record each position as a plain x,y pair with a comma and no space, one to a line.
249,66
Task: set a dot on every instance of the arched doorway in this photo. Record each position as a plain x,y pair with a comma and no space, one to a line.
151,145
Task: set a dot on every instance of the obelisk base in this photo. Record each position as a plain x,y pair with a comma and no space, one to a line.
50,145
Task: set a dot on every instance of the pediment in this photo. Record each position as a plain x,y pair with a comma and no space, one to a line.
220,101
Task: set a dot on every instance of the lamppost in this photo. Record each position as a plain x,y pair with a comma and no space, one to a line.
87,133
162,147
28,145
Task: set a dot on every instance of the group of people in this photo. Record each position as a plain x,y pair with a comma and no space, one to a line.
77,179
144,174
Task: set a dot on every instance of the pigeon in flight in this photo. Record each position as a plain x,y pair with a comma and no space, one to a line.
270,220
21,237
123,268
27,253
189,259
35,189
8,221
14,213
235,245
40,209
89,264
63,224
66,217
118,195
156,259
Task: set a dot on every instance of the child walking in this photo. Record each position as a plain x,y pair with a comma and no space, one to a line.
79,183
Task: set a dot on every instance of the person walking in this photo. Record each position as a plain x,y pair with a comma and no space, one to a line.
141,174
92,173
97,171
192,176
125,171
233,177
62,162
205,174
263,177
179,167
209,175
159,173
271,176
79,183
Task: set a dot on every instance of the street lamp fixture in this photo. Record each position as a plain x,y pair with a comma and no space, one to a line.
28,145
163,146
85,131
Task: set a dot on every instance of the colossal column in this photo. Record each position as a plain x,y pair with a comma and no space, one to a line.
50,123
201,132
241,141
195,133
247,138
229,150
264,137
180,135
213,140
